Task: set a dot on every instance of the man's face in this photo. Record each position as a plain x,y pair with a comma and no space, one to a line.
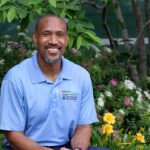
51,39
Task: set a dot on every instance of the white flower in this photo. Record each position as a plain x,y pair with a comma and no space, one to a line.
108,50
147,94
129,84
139,94
139,89
97,55
6,36
121,111
2,61
8,49
108,93
132,98
3,44
102,95
21,34
100,102
148,108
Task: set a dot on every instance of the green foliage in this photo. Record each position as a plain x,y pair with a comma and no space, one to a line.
1,139
79,26
108,76
100,61
13,50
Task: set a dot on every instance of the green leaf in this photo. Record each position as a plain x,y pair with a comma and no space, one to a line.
105,1
34,2
23,2
73,33
79,42
93,37
22,12
24,22
38,9
52,2
1,18
87,24
3,2
62,14
80,28
6,7
4,15
71,24
85,43
11,14
71,41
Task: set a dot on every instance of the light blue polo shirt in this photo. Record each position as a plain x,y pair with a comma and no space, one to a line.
47,112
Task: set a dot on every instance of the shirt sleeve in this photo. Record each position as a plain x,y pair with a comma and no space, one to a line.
12,109
87,111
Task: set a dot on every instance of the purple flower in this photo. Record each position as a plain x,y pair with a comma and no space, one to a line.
14,45
22,49
100,130
127,101
116,135
113,82
118,117
74,51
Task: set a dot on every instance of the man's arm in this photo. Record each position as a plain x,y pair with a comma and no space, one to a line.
81,138
19,141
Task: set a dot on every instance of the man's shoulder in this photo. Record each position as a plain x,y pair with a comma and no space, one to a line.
19,70
76,67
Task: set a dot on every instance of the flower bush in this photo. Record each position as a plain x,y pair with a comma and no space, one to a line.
123,108
110,135
124,116
14,49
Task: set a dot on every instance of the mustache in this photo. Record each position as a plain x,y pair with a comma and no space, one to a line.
52,46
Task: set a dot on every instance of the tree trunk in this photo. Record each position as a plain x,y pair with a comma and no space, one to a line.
147,18
125,36
106,27
134,74
140,43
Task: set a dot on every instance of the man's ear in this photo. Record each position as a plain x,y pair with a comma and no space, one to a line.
67,40
34,36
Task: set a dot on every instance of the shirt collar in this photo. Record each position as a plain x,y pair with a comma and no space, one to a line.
37,76
66,69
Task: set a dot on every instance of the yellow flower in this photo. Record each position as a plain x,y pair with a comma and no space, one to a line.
140,147
108,129
141,129
140,137
109,118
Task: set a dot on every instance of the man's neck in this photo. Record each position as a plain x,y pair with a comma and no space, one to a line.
51,71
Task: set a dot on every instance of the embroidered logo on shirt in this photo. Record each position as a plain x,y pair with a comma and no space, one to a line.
69,95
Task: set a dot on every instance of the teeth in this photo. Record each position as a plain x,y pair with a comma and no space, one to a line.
52,49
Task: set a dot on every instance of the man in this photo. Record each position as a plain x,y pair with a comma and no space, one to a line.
47,101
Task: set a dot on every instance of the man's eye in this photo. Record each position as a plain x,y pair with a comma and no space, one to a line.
45,34
61,34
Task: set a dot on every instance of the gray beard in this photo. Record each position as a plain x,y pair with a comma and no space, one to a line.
51,61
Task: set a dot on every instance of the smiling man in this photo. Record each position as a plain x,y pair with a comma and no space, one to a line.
46,101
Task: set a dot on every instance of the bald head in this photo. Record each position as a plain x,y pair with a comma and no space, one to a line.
49,17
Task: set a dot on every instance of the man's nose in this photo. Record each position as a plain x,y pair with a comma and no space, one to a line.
53,39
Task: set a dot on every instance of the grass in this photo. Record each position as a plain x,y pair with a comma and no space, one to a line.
1,139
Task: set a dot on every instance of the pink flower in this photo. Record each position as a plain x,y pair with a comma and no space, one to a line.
116,135
127,101
74,51
113,82
100,130
118,117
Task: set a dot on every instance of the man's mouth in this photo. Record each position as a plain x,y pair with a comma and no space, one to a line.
53,49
